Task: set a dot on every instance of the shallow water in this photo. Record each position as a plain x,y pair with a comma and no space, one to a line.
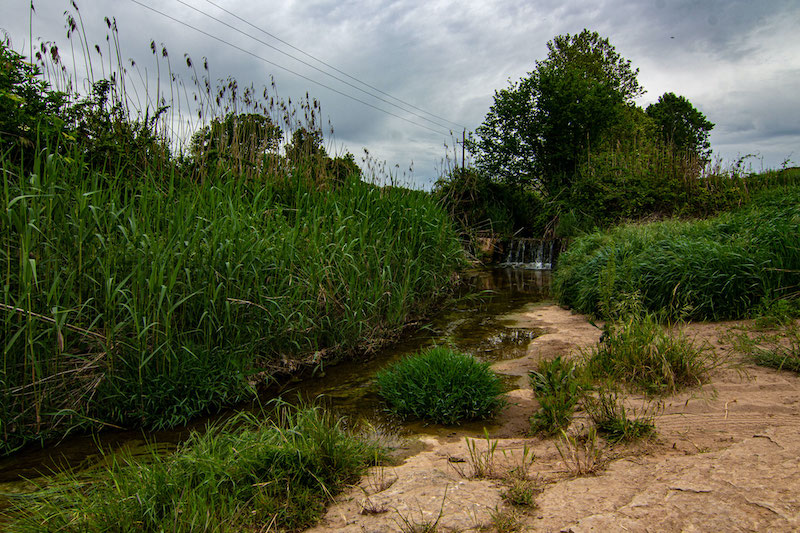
474,324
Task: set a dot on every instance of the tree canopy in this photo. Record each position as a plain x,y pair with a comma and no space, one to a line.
681,124
539,129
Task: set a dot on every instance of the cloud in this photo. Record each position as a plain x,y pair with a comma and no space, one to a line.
736,60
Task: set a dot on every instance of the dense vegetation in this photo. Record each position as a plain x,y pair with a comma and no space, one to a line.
144,285
565,150
249,474
723,267
442,386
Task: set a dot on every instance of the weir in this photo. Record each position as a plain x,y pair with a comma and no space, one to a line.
532,254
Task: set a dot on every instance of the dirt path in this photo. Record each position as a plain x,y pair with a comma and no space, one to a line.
727,458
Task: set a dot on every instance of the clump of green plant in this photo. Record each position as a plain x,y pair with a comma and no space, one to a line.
614,421
557,388
777,312
718,268
780,351
637,351
442,386
581,453
248,474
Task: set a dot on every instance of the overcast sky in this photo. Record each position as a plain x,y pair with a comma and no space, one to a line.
736,61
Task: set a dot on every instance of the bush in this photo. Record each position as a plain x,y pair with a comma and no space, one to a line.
442,386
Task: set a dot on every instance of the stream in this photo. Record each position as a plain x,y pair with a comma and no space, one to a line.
474,324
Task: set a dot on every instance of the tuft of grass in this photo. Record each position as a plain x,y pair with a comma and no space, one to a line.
780,351
580,453
442,386
248,474
556,387
639,352
617,423
778,312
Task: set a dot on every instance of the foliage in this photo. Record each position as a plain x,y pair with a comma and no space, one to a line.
780,350
639,352
238,143
135,304
442,386
477,203
714,269
681,124
556,387
539,129
245,474
29,108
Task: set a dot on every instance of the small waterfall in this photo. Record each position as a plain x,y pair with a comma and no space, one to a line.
533,254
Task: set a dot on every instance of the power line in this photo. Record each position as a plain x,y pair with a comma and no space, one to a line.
234,28
331,66
265,60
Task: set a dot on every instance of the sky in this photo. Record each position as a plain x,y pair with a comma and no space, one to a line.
737,61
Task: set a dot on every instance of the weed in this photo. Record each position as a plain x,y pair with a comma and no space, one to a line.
580,453
521,492
442,386
409,525
557,389
246,474
775,313
482,461
638,351
615,422
780,351
505,520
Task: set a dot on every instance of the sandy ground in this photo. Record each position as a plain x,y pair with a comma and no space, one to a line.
727,458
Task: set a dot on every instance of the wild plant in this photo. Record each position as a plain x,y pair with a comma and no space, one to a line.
247,473
481,461
638,351
616,422
441,385
557,389
580,452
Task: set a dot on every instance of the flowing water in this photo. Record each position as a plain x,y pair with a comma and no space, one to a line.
473,324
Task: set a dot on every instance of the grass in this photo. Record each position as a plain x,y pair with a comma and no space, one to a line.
144,284
580,453
638,351
779,350
441,385
556,387
617,423
719,268
248,474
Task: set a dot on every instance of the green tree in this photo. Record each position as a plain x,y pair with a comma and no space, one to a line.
539,129
29,108
681,124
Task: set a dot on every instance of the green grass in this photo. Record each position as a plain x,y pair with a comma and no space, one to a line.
639,352
248,474
557,389
149,302
442,386
614,421
719,268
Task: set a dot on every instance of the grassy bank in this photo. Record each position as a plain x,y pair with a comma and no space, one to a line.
149,301
250,474
718,268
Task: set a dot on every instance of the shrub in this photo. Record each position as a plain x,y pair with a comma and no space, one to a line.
442,386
